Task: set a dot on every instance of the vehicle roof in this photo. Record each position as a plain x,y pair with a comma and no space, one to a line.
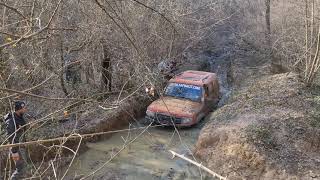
198,78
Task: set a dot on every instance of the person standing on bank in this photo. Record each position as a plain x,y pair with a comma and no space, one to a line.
15,125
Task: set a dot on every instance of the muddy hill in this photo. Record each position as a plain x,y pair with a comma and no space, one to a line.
268,129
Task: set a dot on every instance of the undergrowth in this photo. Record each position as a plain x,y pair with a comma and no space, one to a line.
261,136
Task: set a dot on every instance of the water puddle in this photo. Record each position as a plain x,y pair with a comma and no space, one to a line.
146,158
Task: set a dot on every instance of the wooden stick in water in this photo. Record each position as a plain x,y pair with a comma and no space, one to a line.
197,164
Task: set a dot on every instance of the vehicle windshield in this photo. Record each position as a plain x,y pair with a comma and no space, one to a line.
191,92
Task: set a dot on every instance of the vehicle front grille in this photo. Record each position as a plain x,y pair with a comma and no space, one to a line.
165,119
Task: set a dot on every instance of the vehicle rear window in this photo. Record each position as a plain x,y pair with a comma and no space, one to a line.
191,92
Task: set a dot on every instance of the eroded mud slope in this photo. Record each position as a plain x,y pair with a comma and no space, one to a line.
268,129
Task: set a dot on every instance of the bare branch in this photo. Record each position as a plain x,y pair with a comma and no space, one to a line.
27,35
14,9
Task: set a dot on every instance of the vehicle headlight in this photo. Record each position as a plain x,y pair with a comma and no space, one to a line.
150,113
186,120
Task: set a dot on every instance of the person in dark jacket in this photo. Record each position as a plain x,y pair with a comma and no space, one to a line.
15,125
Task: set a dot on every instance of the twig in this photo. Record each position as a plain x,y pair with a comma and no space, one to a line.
14,9
27,36
74,156
41,97
54,171
73,136
197,164
9,34
115,155
118,25
156,11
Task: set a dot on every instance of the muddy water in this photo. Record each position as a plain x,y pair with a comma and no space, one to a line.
145,159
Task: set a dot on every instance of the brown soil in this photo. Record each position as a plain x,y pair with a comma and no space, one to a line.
269,129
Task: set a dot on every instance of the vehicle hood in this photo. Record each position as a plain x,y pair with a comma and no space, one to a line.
174,106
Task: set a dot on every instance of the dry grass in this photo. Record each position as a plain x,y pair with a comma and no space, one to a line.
267,130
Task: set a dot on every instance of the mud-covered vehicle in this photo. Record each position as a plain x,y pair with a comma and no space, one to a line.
187,98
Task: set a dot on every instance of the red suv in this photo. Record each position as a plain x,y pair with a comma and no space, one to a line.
188,98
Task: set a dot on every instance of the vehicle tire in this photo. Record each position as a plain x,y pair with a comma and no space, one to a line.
145,121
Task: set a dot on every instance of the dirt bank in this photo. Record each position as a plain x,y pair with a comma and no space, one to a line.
269,129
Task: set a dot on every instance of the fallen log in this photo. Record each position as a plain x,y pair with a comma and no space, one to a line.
197,164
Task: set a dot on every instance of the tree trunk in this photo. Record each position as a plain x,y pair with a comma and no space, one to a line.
106,70
63,87
276,66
